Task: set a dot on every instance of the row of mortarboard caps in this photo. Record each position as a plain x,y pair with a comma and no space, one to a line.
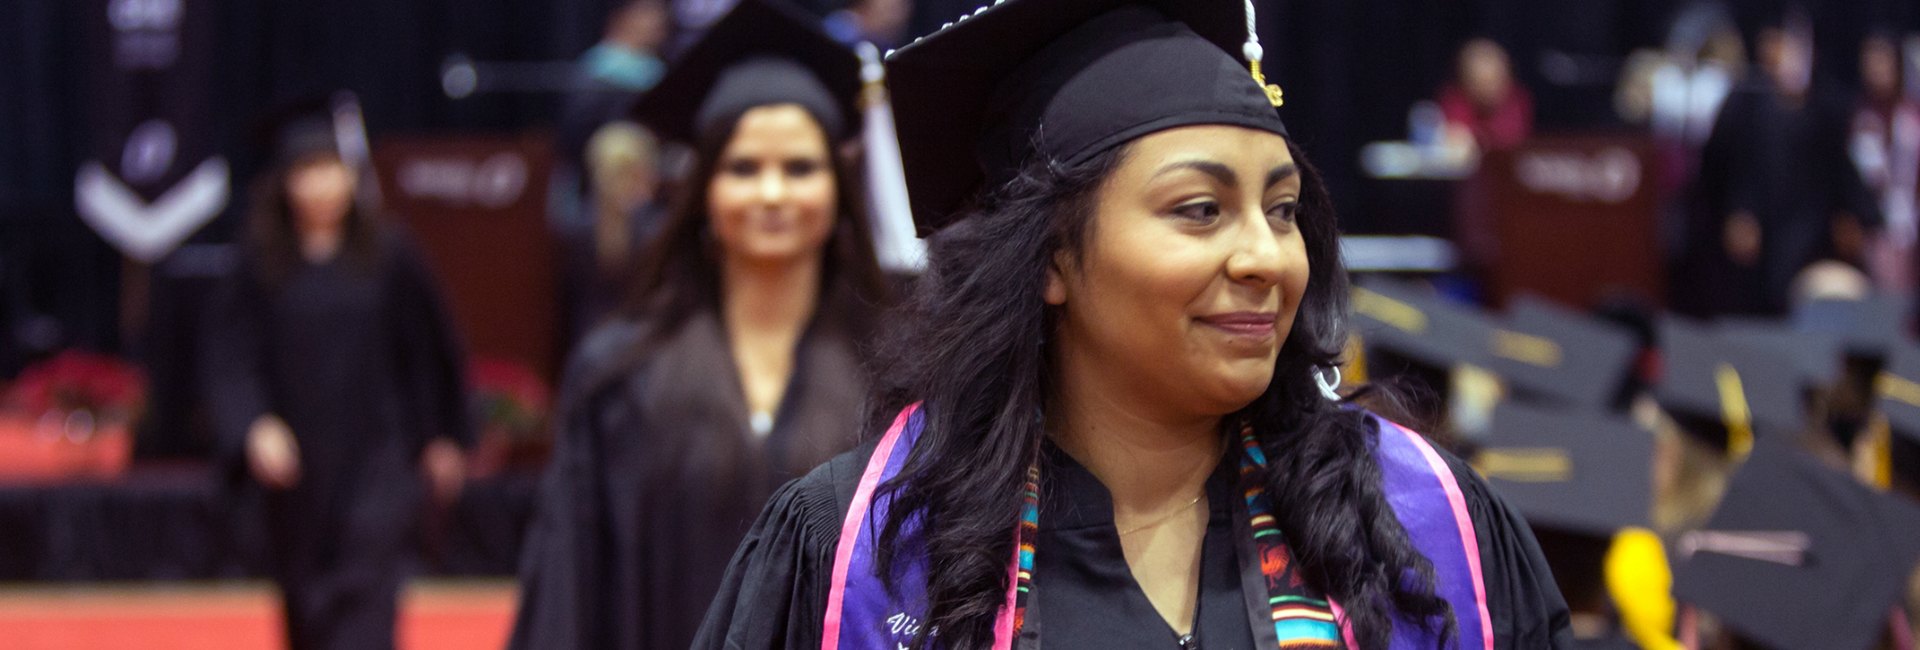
1797,554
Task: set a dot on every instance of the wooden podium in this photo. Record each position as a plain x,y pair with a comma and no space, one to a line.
477,205
1576,219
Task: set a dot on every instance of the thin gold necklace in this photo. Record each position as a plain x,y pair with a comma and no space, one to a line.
1163,519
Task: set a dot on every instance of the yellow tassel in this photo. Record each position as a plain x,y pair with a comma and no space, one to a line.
1401,316
1274,96
1355,369
1734,412
1641,585
1873,454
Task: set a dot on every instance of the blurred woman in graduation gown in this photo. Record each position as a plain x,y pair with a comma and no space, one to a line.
333,375
1108,420
738,365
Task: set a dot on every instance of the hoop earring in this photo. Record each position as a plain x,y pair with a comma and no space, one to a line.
1327,387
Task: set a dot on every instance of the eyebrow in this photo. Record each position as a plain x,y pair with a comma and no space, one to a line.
1224,174
1282,173
1219,172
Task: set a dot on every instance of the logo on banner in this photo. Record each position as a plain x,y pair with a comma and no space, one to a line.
1608,176
144,230
496,182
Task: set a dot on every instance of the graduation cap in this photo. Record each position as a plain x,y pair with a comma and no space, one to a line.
1408,332
1815,357
1408,321
1583,473
1800,556
1865,327
761,53
1064,80
315,124
1723,392
1588,361
1580,478
1542,350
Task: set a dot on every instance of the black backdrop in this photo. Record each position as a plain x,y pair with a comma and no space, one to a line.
1350,68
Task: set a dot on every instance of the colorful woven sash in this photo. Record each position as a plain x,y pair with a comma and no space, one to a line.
862,613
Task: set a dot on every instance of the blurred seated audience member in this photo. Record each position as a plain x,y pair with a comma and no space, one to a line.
628,55
1484,102
1633,92
623,170
1776,191
880,22
1703,59
1886,149
1484,110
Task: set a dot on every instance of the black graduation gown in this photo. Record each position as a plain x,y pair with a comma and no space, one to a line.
656,476
1789,167
588,294
1084,595
360,359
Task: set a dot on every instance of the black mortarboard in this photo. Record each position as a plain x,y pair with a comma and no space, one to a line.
310,125
1866,327
1583,473
761,53
1897,391
1707,380
1551,351
1800,556
1063,80
1413,323
1814,356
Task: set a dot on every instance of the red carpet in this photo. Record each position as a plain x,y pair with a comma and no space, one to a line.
433,616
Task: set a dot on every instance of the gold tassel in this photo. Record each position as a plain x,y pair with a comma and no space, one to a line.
1873,454
1734,412
1355,369
1640,582
1274,96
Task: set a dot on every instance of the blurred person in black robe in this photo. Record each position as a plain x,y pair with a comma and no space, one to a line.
333,375
1776,191
737,365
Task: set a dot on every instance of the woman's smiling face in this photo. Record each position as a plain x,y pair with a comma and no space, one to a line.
1190,272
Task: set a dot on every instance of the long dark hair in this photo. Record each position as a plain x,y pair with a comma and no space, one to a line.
976,353
273,241
680,273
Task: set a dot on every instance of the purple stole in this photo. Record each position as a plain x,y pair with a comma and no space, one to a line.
862,614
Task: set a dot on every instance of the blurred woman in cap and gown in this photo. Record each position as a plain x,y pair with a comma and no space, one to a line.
1110,420
333,374
737,365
